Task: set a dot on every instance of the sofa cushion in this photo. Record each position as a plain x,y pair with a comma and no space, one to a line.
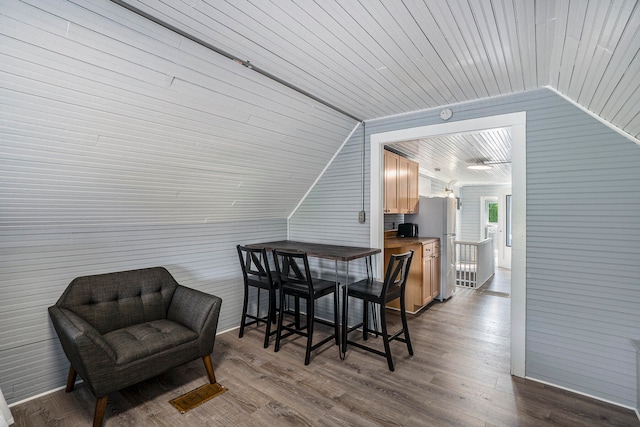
138,341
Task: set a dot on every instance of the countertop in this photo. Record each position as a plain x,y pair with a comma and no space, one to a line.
395,242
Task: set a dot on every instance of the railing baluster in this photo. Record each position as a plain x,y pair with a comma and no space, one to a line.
474,262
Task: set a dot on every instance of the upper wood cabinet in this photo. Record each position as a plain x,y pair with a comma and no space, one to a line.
391,167
412,187
400,184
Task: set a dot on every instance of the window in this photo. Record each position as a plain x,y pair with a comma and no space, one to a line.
493,213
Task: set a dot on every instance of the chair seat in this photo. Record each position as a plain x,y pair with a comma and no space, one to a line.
262,282
372,291
321,288
145,339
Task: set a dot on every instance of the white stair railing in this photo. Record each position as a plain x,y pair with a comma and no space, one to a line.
475,262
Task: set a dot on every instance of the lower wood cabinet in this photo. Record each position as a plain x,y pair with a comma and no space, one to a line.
423,284
430,272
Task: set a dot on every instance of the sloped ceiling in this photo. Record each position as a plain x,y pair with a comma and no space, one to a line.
108,118
377,58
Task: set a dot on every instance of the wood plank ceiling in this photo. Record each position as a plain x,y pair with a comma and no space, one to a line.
377,58
111,119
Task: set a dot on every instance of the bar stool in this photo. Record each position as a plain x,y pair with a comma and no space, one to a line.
295,279
256,274
380,293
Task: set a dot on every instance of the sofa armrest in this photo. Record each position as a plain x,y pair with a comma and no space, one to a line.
197,311
81,342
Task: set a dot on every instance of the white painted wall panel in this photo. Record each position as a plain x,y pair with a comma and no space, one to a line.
123,146
37,263
128,124
583,229
471,213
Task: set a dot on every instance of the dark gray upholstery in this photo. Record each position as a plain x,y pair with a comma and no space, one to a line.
118,329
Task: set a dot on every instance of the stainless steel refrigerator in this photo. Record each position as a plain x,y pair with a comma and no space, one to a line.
436,217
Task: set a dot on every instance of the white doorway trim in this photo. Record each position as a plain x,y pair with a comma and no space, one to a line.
504,251
517,122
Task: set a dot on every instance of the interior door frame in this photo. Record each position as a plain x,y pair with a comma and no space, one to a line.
517,123
504,251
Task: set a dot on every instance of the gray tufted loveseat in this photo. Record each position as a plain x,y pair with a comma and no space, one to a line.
118,329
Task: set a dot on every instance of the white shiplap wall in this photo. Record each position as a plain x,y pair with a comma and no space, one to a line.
583,234
470,212
37,263
124,145
110,118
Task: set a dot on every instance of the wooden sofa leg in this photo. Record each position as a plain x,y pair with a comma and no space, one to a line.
101,407
209,367
71,379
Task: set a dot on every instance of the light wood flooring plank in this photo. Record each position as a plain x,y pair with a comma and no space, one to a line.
459,376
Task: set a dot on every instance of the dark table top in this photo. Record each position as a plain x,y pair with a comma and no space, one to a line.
319,250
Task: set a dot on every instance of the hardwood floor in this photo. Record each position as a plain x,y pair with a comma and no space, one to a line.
459,376
500,283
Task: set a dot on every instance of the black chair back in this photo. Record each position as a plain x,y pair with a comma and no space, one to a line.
255,266
293,270
395,280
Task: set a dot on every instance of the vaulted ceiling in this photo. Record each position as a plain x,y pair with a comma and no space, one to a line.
116,117
377,58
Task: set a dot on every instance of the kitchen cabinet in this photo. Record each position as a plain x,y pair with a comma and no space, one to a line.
409,194
400,184
423,283
391,167
430,271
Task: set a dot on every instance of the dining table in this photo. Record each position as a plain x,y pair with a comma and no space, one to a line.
336,253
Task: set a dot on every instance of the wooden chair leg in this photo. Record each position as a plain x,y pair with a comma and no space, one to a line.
385,337
71,379
365,320
297,314
405,327
101,407
209,367
245,303
280,319
271,317
310,318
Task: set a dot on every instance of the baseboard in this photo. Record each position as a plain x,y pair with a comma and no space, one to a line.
41,394
584,394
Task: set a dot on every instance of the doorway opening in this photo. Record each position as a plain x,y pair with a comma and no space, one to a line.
517,124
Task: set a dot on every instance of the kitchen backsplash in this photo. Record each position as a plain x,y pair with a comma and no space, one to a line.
391,221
